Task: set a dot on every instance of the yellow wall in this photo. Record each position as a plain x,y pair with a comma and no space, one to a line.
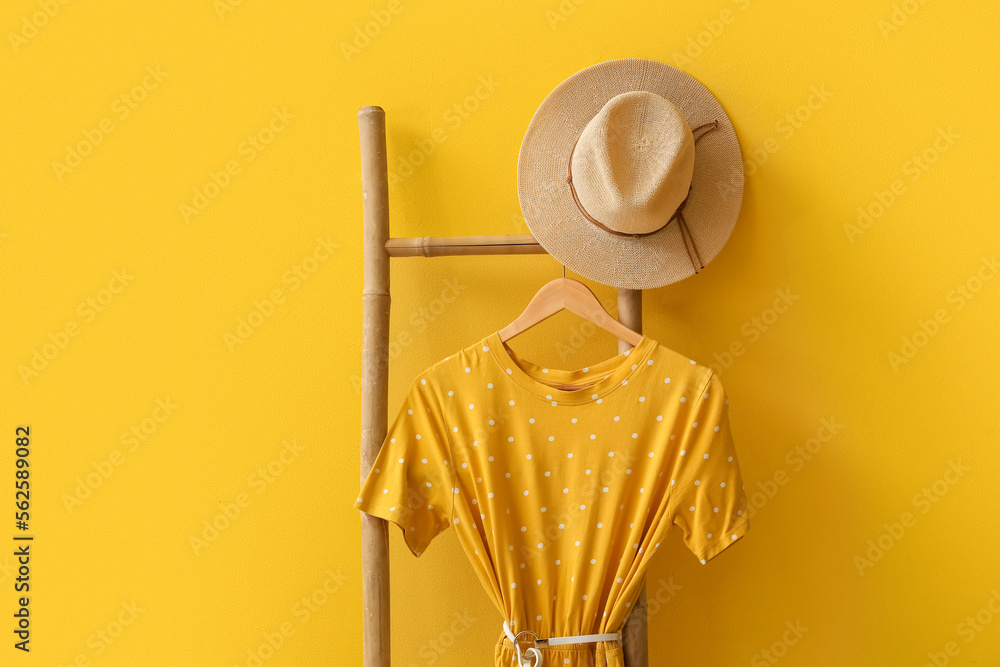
134,303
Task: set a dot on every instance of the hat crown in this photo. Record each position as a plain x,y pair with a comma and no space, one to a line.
633,163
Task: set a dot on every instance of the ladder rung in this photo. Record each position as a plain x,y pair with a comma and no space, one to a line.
434,246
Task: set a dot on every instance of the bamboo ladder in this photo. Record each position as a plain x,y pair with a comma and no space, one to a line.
378,248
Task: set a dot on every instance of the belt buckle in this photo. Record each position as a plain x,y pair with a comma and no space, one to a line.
538,643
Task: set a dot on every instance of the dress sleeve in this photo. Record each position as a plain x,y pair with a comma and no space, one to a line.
708,501
411,483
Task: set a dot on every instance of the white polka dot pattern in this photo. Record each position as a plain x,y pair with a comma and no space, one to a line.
561,483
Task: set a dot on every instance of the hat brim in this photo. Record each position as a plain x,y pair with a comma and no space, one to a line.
558,225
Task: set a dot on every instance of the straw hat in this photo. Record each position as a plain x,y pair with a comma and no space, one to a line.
630,174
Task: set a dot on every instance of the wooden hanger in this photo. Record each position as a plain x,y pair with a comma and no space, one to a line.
572,295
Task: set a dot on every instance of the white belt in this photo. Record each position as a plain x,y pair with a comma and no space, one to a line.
536,655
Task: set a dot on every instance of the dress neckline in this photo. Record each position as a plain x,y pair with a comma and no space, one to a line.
604,376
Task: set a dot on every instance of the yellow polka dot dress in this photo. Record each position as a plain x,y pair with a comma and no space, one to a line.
562,484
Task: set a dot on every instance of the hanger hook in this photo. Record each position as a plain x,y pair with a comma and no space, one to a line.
564,270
